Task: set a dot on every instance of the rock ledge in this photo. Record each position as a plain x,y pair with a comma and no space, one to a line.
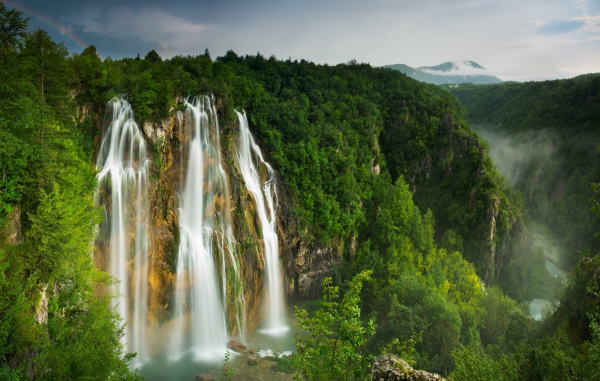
392,368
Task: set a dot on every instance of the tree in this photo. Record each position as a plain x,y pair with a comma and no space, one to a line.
332,346
153,56
12,28
46,65
473,364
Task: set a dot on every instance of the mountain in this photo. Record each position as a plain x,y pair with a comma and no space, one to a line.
449,73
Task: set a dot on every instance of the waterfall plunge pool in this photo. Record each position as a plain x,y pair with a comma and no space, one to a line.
160,367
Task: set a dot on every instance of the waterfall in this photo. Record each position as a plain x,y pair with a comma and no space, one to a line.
208,306
250,158
207,243
123,186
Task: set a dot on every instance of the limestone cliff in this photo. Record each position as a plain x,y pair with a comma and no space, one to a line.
305,265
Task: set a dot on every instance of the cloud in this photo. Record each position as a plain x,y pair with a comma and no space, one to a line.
591,23
560,26
582,5
170,34
458,68
514,39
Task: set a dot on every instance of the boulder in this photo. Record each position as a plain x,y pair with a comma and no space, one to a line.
252,361
392,368
237,346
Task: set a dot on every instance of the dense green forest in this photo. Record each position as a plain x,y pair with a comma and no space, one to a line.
553,123
53,325
556,122
561,116
366,155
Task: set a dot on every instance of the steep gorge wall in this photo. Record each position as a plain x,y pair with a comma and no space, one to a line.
451,174
556,124
165,140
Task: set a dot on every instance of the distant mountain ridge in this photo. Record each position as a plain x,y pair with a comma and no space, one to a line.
451,72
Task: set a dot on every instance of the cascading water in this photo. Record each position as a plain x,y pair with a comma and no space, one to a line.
250,158
208,306
123,187
206,243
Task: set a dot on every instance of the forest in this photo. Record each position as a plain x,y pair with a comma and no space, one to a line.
385,172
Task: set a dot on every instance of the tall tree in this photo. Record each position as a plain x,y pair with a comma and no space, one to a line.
12,28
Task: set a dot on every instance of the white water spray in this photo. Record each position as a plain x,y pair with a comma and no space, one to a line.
206,243
250,158
208,303
123,165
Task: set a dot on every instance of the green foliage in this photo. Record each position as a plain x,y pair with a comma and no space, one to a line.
567,115
53,326
591,362
552,358
332,344
403,349
226,370
285,364
12,29
473,364
580,305
500,314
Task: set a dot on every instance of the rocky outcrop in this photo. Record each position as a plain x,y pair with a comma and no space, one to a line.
237,346
305,262
41,308
392,368
12,230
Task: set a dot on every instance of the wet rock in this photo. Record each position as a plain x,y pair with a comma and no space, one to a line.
12,231
205,377
237,346
41,309
392,368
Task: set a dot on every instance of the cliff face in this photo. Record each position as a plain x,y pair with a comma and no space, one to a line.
12,231
304,265
451,174
168,167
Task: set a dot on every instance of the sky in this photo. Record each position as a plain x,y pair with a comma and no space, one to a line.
514,39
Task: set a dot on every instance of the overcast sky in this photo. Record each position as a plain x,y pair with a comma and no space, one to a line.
514,39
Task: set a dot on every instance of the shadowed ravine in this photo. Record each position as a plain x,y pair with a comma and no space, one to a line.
523,159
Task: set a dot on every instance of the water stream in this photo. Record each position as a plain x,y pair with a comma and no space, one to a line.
207,307
123,187
250,158
201,290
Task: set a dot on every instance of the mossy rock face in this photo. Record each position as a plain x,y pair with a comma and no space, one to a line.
392,368
305,262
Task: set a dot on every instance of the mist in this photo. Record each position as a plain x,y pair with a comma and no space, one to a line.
529,162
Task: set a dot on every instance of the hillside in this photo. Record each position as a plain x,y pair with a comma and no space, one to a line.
558,121
549,132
